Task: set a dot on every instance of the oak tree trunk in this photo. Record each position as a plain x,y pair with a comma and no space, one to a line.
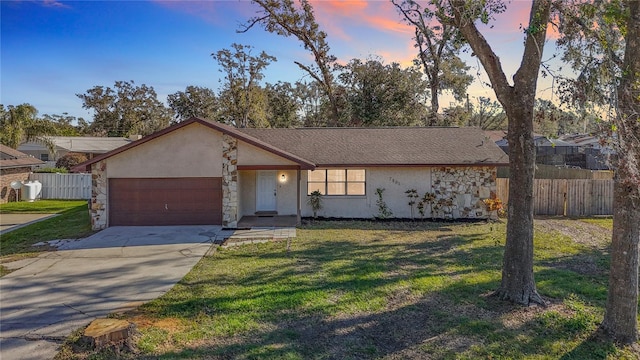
518,283
621,316
621,313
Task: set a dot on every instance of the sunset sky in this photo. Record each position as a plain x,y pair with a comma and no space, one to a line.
52,50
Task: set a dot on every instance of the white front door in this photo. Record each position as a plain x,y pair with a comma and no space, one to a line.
266,191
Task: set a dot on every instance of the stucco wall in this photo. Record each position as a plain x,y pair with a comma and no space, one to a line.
240,187
459,193
251,155
247,193
191,151
395,181
285,192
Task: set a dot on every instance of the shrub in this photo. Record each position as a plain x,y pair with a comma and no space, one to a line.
315,201
52,170
70,160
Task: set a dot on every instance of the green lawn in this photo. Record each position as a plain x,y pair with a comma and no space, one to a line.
359,290
40,206
73,222
605,222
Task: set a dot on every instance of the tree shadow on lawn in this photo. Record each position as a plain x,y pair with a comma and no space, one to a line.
426,299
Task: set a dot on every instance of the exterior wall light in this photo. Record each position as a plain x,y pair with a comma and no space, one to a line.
283,178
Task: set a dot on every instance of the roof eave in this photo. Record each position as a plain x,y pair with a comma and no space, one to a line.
368,165
304,164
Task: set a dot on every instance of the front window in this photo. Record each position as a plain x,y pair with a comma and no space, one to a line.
337,181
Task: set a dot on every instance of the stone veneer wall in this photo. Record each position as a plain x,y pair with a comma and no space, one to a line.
9,175
459,191
98,207
229,181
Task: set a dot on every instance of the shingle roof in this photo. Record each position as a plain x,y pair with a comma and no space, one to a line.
391,146
225,129
81,144
11,158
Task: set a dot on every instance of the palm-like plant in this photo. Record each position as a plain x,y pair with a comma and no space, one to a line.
19,124
315,201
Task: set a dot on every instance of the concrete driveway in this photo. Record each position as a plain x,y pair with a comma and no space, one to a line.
115,269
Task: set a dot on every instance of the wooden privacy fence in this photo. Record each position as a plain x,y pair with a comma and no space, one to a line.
568,197
64,186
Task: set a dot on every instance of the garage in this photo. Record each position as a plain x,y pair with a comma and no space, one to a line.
165,201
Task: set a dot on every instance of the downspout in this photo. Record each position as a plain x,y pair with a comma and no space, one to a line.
299,219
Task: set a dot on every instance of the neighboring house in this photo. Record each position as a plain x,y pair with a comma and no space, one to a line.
496,135
202,172
551,151
14,166
86,145
598,155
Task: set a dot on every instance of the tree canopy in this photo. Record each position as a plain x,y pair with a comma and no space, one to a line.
381,94
126,109
242,100
438,47
289,18
194,101
19,124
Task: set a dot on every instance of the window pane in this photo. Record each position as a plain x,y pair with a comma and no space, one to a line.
355,189
336,175
317,175
335,188
311,187
355,175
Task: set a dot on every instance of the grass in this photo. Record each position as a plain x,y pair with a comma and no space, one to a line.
361,290
72,222
605,222
40,206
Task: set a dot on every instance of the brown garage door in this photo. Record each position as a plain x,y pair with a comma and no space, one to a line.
165,201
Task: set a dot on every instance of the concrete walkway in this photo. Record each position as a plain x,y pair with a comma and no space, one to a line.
10,222
118,268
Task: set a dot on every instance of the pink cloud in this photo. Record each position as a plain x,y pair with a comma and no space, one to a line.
337,17
330,14
516,19
340,6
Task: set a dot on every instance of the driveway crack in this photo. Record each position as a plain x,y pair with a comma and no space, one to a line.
78,310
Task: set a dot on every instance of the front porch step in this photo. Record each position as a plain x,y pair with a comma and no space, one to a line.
266,213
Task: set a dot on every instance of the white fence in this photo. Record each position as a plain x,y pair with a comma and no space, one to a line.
64,186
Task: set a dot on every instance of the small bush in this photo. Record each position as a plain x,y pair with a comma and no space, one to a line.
383,210
52,170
